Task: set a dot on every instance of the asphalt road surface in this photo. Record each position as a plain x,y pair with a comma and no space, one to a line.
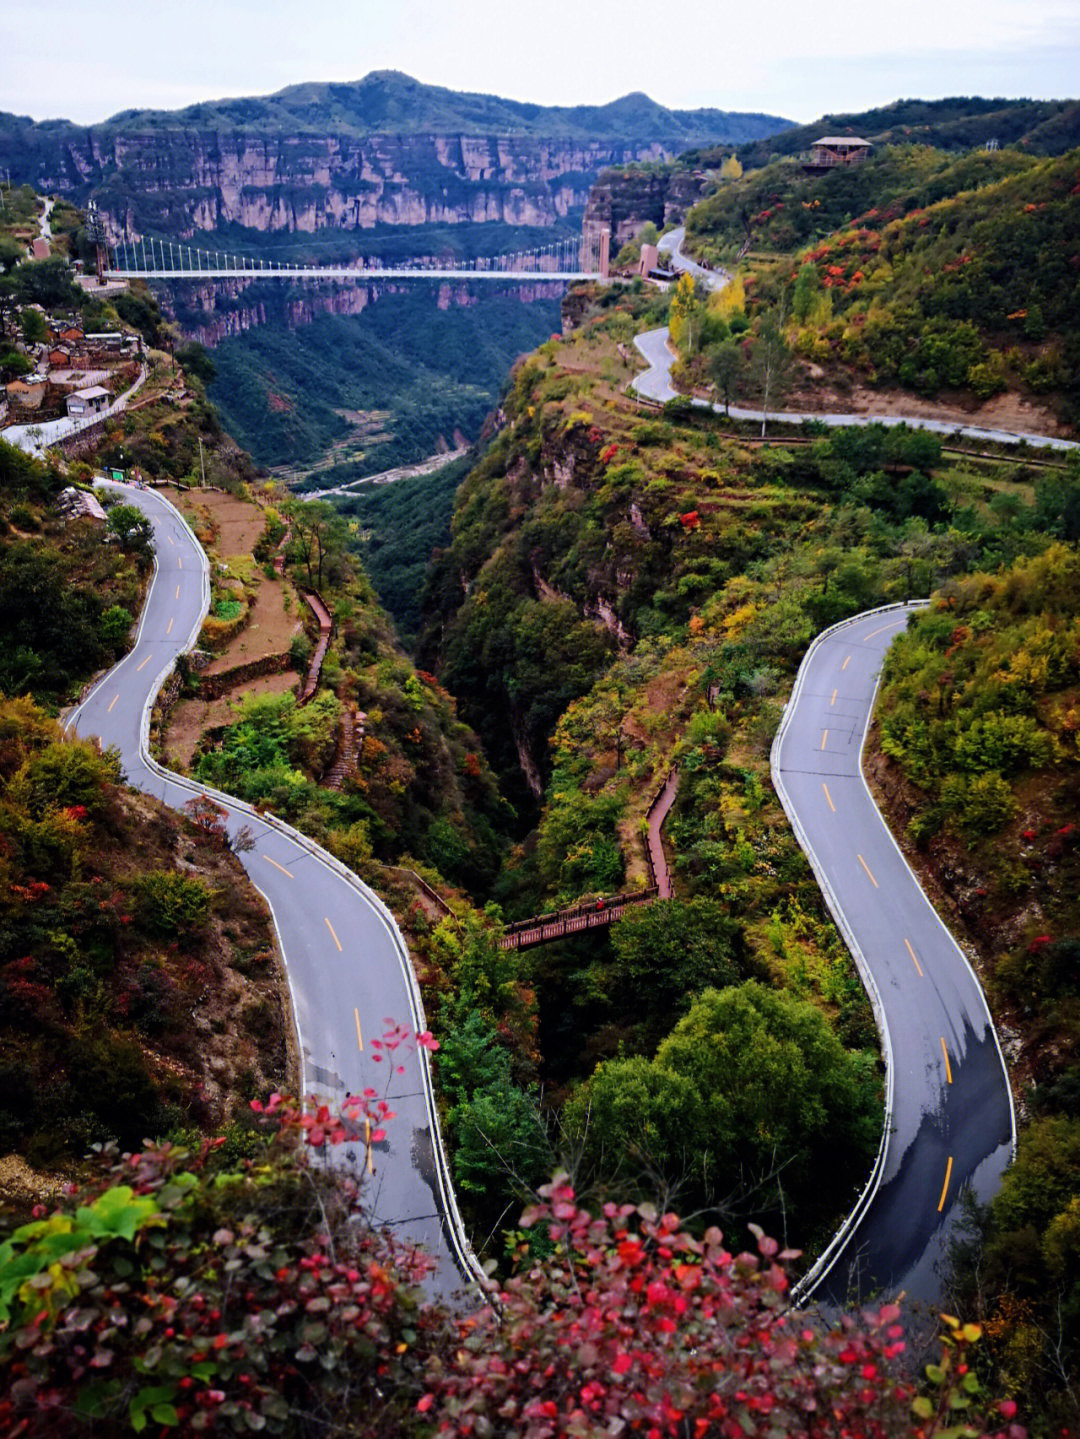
949,1121
347,964
671,245
655,384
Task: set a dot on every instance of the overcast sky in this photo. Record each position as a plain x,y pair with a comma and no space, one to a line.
84,61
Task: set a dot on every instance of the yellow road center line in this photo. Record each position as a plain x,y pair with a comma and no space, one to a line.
170,539
112,702
828,797
168,627
948,1066
333,936
145,662
178,592
279,866
865,866
359,1036
367,1142
833,700
846,663
882,628
824,737
945,1186
914,961
179,562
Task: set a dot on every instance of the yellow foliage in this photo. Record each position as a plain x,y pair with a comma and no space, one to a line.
737,621
731,300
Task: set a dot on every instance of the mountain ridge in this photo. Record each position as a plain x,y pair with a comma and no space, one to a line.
390,102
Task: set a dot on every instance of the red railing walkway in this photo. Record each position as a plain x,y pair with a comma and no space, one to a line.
596,914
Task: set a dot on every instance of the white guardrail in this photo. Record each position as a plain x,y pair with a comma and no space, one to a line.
463,1255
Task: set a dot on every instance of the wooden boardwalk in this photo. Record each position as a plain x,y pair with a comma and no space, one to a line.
326,625
542,928
598,914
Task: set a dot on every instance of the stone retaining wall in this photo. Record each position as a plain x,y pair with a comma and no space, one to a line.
212,687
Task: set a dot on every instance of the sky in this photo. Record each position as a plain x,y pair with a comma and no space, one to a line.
84,62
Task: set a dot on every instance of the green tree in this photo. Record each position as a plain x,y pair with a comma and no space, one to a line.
196,361
133,529
33,326
11,252
665,954
47,282
727,363
751,1094
770,363
116,625
318,541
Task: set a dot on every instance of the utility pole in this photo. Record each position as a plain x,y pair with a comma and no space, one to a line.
202,464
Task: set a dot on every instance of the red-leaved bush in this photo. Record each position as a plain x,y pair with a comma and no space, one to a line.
184,1295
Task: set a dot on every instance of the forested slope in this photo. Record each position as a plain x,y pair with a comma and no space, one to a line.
624,591
952,279
980,766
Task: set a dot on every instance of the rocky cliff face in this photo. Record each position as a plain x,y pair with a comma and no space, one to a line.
191,183
384,150
221,309
622,200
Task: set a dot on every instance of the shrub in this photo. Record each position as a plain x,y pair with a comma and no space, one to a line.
170,904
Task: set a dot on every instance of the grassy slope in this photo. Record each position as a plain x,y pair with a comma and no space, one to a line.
1040,127
112,992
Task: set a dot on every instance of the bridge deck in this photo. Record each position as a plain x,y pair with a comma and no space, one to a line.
331,272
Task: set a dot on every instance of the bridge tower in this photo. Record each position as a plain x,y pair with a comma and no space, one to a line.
596,249
95,228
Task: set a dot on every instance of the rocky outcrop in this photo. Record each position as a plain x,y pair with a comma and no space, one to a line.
622,200
214,310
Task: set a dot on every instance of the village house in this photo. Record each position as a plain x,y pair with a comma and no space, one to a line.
40,249
833,150
28,393
66,334
113,341
91,401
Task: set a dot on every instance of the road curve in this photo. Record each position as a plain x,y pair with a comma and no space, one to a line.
347,964
671,245
949,1121
655,384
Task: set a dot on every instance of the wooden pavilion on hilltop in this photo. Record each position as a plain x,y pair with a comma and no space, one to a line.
833,150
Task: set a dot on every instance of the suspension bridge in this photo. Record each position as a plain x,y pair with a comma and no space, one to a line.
150,258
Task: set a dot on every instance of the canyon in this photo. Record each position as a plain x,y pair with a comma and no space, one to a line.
384,151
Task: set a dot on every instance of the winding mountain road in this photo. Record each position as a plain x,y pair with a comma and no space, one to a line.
949,1121
347,964
655,384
